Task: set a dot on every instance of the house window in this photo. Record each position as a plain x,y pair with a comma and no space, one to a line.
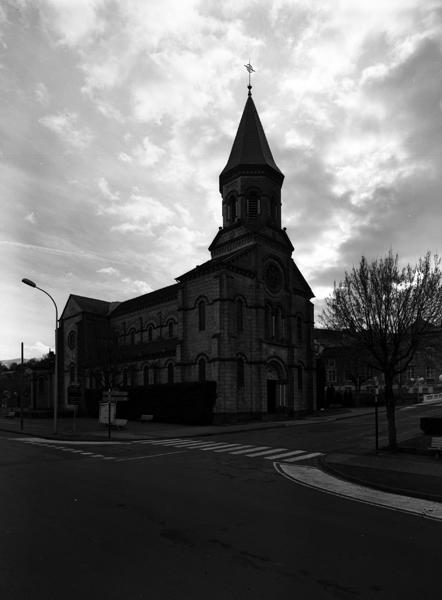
201,370
201,315
170,329
331,376
240,373
239,316
146,375
170,374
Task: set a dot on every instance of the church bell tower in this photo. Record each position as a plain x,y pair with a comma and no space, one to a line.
250,186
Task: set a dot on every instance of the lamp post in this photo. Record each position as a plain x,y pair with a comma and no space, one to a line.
34,285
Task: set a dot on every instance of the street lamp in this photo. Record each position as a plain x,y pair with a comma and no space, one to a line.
34,285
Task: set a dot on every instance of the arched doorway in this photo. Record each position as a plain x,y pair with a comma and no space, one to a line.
276,380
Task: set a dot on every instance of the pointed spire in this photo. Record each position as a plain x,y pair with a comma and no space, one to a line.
250,151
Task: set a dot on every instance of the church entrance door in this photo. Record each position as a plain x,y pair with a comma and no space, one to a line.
271,396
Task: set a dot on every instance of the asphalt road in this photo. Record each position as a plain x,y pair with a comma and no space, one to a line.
148,521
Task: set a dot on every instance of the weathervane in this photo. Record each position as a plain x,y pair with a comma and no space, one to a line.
250,69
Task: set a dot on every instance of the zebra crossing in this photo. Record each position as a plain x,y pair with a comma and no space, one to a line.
235,449
284,455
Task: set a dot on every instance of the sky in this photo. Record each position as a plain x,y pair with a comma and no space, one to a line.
116,118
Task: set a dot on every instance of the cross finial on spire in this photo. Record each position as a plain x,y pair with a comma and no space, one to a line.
250,69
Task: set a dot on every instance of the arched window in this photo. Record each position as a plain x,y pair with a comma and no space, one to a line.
278,319
133,376
300,378
239,315
132,337
273,210
124,378
170,373
170,325
71,340
41,385
146,375
231,209
71,373
201,315
268,321
201,369
283,326
240,373
150,333
299,329
156,374
252,205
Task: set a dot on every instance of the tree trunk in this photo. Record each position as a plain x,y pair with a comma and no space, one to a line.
390,404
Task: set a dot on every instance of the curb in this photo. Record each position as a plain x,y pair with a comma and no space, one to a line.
336,472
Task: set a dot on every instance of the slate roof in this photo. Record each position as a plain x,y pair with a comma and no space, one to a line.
146,300
216,263
92,305
250,149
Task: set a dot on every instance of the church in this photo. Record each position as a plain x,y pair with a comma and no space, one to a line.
243,319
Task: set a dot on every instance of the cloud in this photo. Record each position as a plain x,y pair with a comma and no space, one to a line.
136,286
30,218
109,271
42,94
74,21
106,191
125,157
147,153
65,126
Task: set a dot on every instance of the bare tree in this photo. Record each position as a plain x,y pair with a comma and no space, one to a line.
386,310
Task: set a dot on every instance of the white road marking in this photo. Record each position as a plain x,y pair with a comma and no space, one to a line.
49,442
249,449
147,456
229,447
284,454
271,450
311,455
313,477
217,446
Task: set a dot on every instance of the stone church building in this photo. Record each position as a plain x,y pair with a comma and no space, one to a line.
243,319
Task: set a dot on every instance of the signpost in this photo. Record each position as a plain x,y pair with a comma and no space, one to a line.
108,409
376,420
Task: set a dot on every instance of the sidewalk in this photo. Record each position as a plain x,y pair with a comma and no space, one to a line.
402,473
90,429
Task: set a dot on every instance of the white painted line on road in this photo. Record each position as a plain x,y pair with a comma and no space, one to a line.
264,452
284,454
148,456
250,449
312,477
305,457
229,447
33,440
217,446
